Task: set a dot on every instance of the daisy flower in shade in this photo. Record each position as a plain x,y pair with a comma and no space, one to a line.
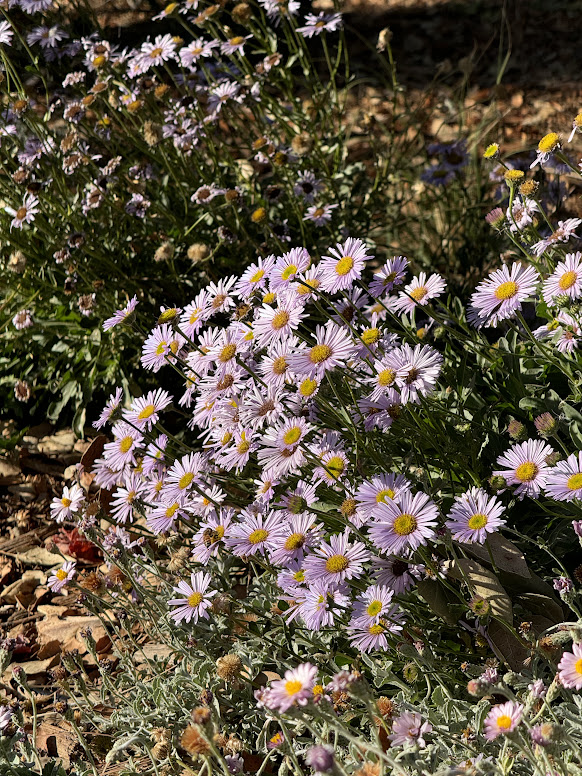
418,370
110,409
333,347
404,525
336,560
525,465
474,515
419,292
237,455
502,719
371,636
399,575
122,504
323,22
297,500
521,214
157,52
307,186
390,275
321,603
205,194
564,331
500,296
380,413
561,234
25,213
380,489
162,518
570,668
121,452
261,407
294,262
565,280
209,538
295,689
68,504
274,324
160,347
334,467
5,711
319,214
344,266
255,533
144,412
195,598
408,730
301,533
6,33
564,480
274,367
221,296
255,277
61,577
195,50
234,45
221,94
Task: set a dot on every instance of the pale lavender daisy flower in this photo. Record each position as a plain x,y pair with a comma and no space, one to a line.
379,489
502,719
274,324
145,410
198,48
295,689
162,518
561,234
294,262
160,347
371,636
6,33
255,533
23,320
408,730
521,214
404,525
195,598
25,213
374,604
301,533
121,452
564,330
418,369
307,186
68,504
332,348
323,22
344,266
399,575
419,291
525,465
121,316
61,577
565,280
570,668
123,502
320,604
392,274
319,214
255,277
336,560
564,480
474,515
501,295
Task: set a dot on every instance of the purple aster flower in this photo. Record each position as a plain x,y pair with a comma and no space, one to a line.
566,280
405,525
295,689
336,560
195,598
502,719
408,730
344,266
501,295
62,576
68,504
570,668
322,22
564,480
474,515
525,465
121,316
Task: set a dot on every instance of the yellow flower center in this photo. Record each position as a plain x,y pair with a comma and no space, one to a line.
99,61
370,336
506,290
258,536
21,213
269,298
291,436
195,599
307,287
308,387
319,353
295,541
171,511
549,142
61,574
384,494
504,722
526,472
185,480
168,315
174,345
419,293
376,630
336,465
574,482
490,151
236,41
259,275
279,365
386,377
228,352
243,447
478,520
344,265
226,438
336,563
156,52
147,412
161,349
288,271
405,524
280,319
578,666
293,687
66,502
567,280
299,576
511,176
374,608
318,689
125,444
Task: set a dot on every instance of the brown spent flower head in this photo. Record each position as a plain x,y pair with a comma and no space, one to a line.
165,252
198,252
201,715
152,133
385,706
302,144
384,38
528,188
178,559
241,13
194,742
93,581
229,667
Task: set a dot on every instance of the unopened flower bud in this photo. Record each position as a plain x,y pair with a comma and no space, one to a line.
546,424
